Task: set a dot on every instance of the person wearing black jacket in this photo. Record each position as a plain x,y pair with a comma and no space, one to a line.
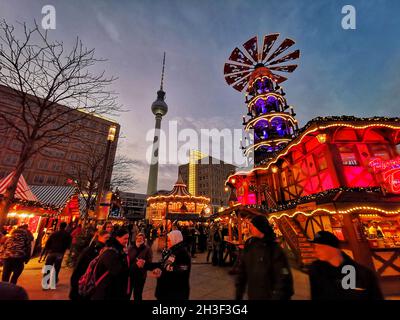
58,243
115,262
173,271
139,254
327,279
84,260
263,267
10,291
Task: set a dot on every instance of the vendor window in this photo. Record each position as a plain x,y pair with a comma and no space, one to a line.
381,232
348,155
380,151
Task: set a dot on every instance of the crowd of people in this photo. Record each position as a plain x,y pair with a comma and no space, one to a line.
115,261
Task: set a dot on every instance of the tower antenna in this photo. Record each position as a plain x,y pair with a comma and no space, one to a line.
162,73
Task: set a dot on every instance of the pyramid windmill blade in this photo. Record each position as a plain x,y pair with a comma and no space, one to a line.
251,47
287,43
291,56
238,56
240,85
241,65
234,68
278,78
269,41
289,68
231,79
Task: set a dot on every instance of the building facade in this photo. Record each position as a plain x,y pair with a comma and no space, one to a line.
133,205
55,165
205,176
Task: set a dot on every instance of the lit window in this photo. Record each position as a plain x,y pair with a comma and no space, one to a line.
348,155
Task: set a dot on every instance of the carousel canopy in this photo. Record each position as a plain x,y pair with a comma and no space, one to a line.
22,192
179,191
180,188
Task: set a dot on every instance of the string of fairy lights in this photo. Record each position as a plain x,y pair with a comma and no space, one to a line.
39,205
291,204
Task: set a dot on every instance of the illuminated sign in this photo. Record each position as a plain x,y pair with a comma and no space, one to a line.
389,170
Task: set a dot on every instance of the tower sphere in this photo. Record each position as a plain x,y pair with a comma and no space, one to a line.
159,107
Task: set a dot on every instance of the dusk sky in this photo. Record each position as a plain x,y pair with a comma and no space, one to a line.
352,72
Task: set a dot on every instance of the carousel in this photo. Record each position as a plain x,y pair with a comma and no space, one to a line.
339,174
163,208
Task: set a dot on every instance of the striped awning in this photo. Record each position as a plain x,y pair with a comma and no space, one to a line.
56,195
53,195
22,192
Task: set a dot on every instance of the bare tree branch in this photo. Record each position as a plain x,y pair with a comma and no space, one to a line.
55,88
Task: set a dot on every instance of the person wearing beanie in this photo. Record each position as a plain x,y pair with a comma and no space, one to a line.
173,272
113,268
329,280
263,267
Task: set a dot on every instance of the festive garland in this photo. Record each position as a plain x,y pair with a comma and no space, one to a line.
317,196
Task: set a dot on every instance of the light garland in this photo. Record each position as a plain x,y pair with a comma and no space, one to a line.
254,121
266,144
264,97
278,216
20,215
314,197
162,197
261,78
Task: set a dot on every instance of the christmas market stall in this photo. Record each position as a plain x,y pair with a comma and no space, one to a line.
337,173
65,199
26,207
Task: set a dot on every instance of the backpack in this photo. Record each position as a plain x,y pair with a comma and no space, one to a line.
88,282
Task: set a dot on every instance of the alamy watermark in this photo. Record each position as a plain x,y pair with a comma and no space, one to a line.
349,20
219,144
49,19
49,277
349,280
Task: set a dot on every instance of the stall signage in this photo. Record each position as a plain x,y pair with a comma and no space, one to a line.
310,206
389,170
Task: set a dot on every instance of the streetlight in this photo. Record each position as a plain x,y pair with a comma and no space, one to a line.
110,139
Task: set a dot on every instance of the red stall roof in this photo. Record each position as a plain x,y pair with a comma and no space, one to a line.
23,191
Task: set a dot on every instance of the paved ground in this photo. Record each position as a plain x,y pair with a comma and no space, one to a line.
207,282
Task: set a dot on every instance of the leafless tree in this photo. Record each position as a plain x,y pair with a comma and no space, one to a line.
55,90
85,175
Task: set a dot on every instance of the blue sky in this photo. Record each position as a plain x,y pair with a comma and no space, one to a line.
340,71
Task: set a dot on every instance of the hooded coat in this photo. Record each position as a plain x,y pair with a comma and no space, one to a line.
265,271
174,285
326,282
84,260
116,284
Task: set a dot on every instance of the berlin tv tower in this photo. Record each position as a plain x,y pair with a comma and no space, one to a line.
159,109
